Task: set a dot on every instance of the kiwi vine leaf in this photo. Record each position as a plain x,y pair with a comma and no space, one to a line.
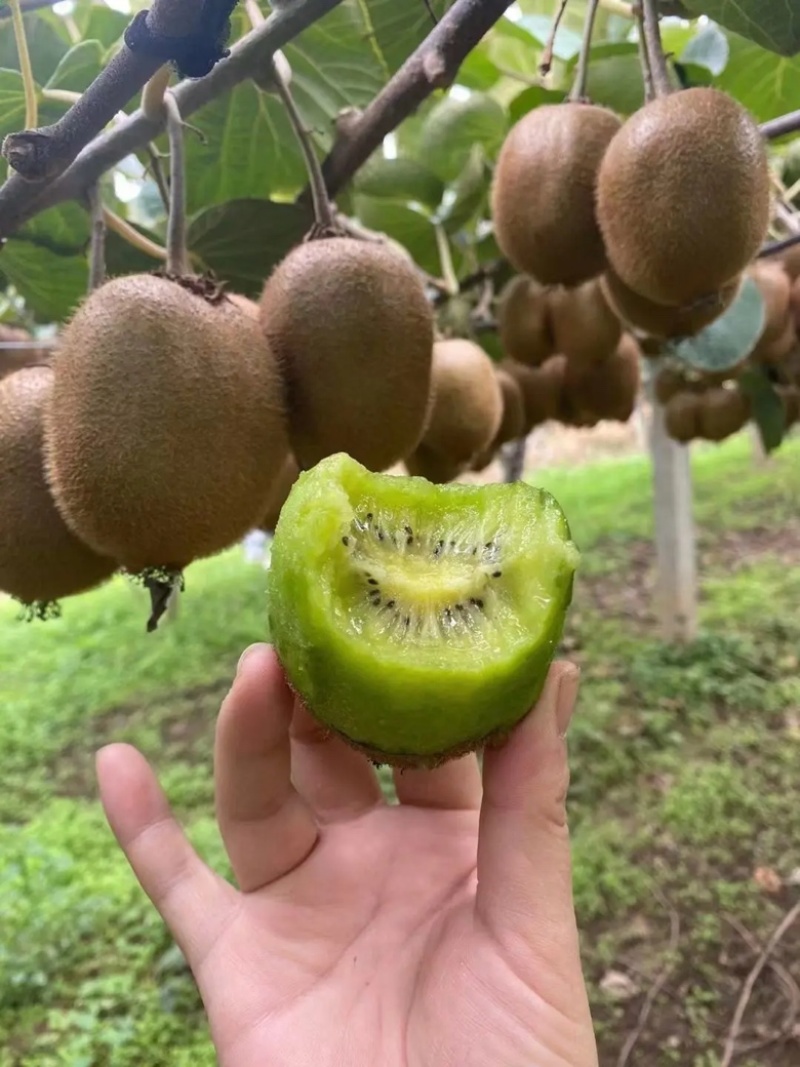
728,340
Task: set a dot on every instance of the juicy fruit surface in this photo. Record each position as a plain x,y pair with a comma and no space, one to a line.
166,432
40,559
417,620
694,165
353,330
543,195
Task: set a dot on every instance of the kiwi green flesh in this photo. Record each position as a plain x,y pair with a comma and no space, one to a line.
417,620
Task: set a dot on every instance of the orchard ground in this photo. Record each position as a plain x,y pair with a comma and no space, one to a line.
684,802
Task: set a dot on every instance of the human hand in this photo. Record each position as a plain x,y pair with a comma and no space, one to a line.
438,932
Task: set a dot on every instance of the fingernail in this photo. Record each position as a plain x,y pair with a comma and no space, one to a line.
567,696
246,654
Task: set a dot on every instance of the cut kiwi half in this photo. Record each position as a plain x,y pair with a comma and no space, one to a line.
417,621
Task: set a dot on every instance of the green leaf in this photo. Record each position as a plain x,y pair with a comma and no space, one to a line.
468,194
46,261
45,45
709,49
774,24
567,43
100,23
411,228
12,102
532,98
478,71
727,340
78,68
615,78
399,26
454,126
400,179
767,85
766,406
242,240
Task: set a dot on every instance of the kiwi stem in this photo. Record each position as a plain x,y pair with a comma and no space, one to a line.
446,260
29,86
546,62
130,234
153,93
323,212
177,256
97,248
578,91
662,83
644,59
158,174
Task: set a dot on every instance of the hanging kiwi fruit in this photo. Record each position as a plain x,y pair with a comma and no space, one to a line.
467,407
682,416
585,328
543,193
353,332
289,474
41,559
683,196
723,412
660,320
523,321
605,390
541,387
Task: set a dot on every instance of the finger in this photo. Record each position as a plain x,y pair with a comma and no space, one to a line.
193,900
335,780
524,894
266,826
455,786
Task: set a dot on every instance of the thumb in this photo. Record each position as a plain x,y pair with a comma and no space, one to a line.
524,896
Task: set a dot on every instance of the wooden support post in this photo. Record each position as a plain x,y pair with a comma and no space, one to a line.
676,586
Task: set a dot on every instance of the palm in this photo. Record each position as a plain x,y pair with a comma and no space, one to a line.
373,945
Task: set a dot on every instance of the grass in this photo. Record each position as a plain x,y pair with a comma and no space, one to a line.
684,778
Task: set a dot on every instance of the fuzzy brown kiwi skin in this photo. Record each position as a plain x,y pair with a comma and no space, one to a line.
41,560
166,430
585,328
694,165
658,320
682,416
353,331
468,403
723,412
542,388
607,390
776,289
543,193
424,462
289,474
523,320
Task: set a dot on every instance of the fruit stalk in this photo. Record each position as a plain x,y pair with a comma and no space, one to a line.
655,50
578,91
546,62
97,250
644,59
31,111
177,257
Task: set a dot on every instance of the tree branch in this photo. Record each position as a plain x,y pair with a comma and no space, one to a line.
433,65
26,5
21,200
782,126
43,154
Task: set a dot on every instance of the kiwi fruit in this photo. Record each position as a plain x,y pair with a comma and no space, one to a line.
245,304
794,301
772,352
683,196
682,416
467,407
417,621
523,321
658,320
165,433
606,390
14,359
543,193
353,331
775,287
424,462
541,387
723,412
585,328
286,478
669,381
790,260
512,422
41,560
790,398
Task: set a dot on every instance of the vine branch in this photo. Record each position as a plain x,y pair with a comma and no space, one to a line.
20,200
42,154
97,248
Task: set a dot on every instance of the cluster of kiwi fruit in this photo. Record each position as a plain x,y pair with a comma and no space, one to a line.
712,405
174,417
621,232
